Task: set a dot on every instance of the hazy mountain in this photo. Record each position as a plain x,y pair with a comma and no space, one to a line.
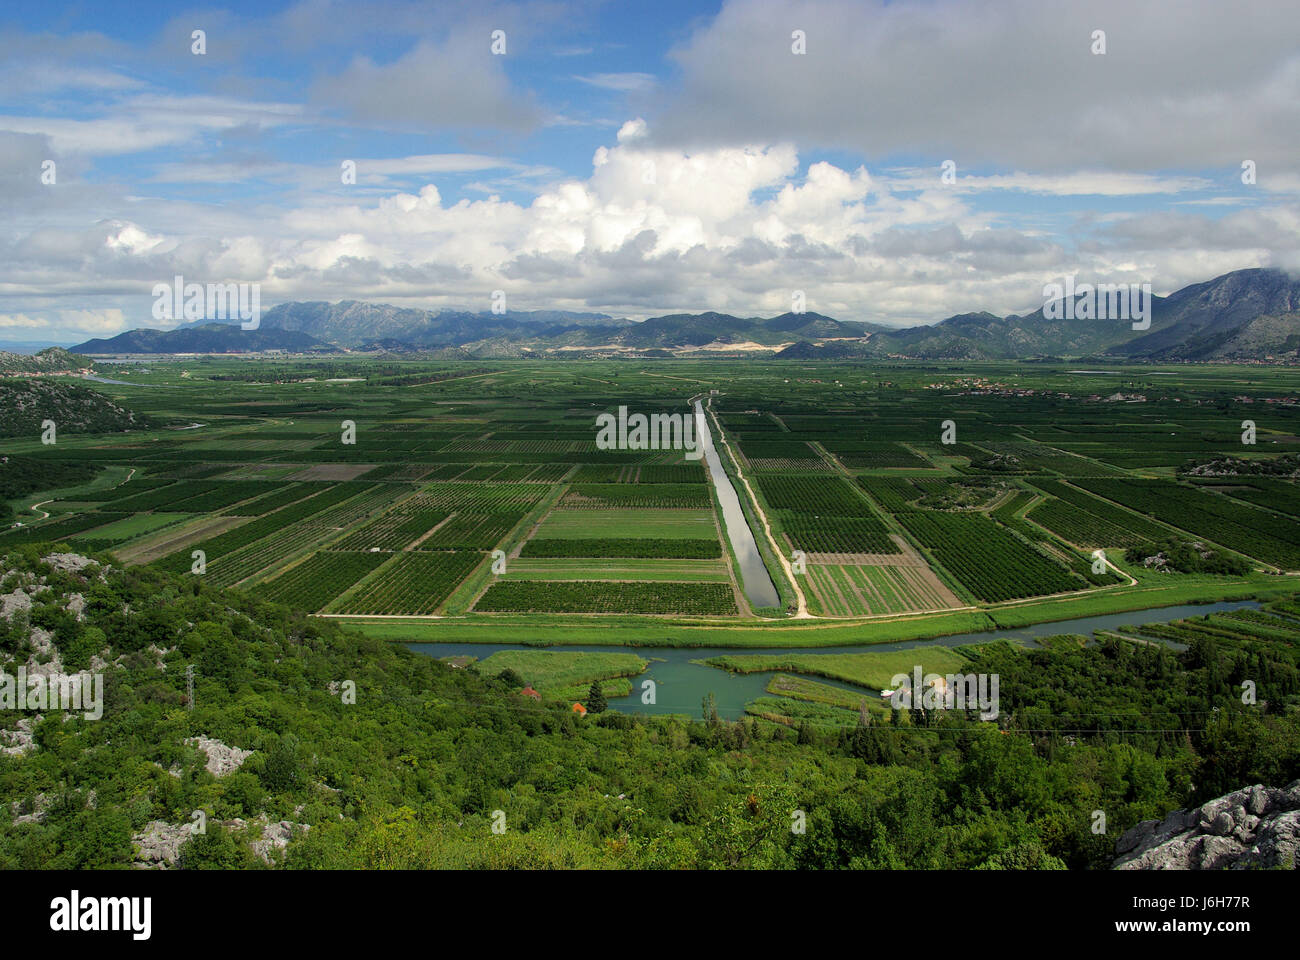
205,338
1198,318
1242,315
1247,314
353,323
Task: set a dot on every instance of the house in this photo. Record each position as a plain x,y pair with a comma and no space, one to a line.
579,709
528,691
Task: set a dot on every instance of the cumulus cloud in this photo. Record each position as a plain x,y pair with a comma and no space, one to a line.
456,83
1015,83
650,229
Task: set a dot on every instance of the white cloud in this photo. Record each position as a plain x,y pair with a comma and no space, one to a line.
1194,85
650,229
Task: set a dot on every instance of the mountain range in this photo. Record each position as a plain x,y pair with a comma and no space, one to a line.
1245,315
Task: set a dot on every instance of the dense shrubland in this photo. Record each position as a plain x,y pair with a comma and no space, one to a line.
410,775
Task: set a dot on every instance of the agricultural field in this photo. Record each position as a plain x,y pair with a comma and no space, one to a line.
482,500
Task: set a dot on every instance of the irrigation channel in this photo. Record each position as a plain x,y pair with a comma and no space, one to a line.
681,685
759,589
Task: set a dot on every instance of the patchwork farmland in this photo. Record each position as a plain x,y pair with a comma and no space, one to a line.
484,501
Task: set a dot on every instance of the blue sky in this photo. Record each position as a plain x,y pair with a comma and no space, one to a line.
638,158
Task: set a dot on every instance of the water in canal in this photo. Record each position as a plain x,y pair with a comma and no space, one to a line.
759,589
681,685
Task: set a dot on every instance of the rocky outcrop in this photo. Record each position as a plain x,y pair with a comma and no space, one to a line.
11,603
221,758
21,740
158,846
1253,828
68,562
275,837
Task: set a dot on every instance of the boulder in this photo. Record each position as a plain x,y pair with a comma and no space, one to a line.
1254,828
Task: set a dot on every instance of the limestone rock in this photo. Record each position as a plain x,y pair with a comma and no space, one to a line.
159,844
1256,827
68,562
11,603
222,759
20,740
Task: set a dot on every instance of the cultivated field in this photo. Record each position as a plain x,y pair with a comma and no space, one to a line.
483,499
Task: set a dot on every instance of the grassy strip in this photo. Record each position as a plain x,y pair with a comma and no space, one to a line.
874,670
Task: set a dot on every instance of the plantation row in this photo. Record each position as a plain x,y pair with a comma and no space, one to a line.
413,583
836,534
865,454
349,513
225,493
394,530
269,525
481,497
131,488
991,563
813,496
666,495
270,502
472,531
1089,521
592,596
625,547
320,578
1079,564
58,529
1228,522
640,473
765,449
1280,495
230,568
892,493
824,515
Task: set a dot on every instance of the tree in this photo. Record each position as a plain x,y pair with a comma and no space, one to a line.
510,678
596,702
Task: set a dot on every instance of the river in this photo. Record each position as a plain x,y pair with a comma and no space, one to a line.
680,685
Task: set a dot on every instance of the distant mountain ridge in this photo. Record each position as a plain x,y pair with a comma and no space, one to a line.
1244,315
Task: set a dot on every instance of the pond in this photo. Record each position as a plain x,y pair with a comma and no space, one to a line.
681,685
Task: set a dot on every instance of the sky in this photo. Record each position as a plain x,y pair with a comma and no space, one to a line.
894,162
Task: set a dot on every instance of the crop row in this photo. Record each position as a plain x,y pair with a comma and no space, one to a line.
393,531
413,583
56,530
272,523
592,596
669,495
631,547
1090,521
813,496
320,578
1235,525
472,531
991,563
837,534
